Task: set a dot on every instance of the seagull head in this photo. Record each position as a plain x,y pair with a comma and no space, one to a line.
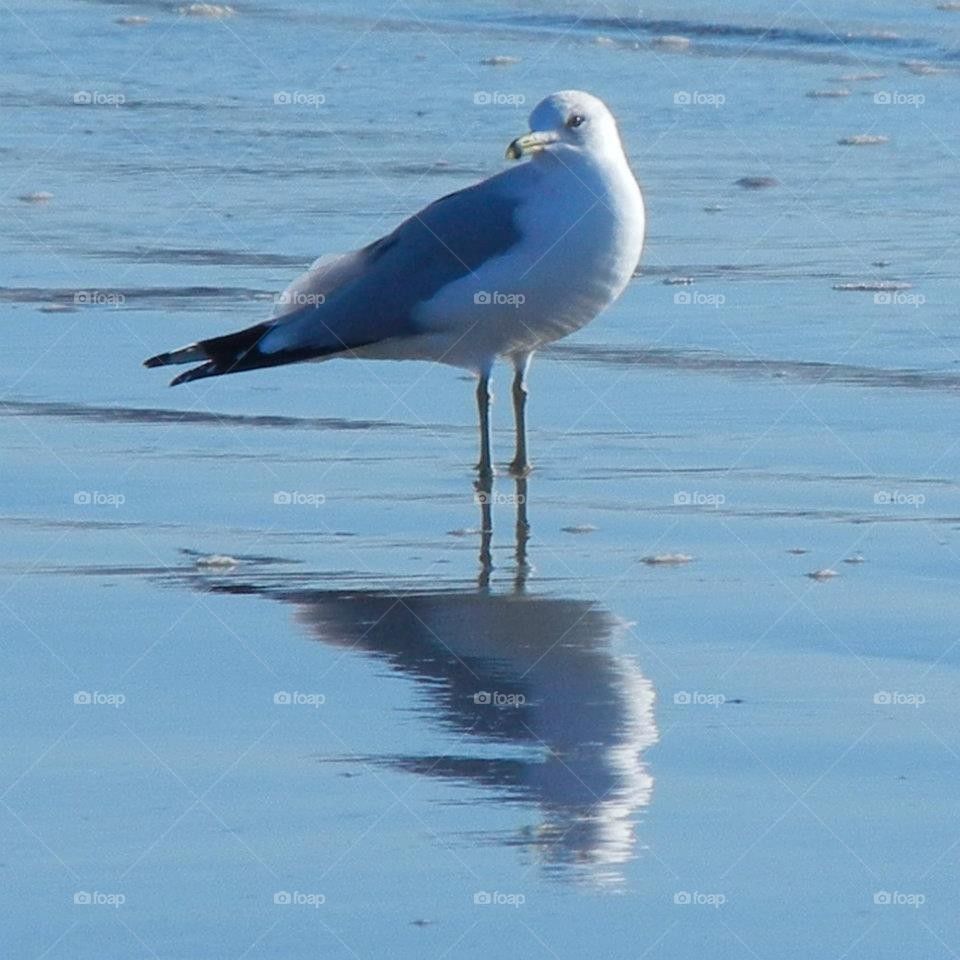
568,120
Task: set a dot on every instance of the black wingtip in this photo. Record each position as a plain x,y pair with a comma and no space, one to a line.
196,373
160,360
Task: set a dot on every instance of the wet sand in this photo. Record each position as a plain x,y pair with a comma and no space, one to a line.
272,689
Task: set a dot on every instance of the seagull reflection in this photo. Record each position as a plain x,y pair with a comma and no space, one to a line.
548,709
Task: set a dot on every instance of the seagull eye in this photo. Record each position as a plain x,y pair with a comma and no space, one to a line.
575,120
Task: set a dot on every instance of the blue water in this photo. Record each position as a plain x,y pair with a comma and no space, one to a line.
357,736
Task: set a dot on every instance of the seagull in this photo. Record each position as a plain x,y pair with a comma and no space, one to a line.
496,270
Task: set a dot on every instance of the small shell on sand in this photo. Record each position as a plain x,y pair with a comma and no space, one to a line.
666,559
828,94
863,140
580,528
854,558
922,68
874,286
210,11
714,208
216,560
881,263
38,196
859,77
604,41
462,532
132,21
757,183
798,551
499,61
824,574
673,42
678,281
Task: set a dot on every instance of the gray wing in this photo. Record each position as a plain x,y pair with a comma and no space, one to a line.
371,295
361,298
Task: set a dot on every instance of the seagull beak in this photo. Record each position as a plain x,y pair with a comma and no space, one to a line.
530,143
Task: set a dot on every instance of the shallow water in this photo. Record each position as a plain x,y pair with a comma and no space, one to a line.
304,684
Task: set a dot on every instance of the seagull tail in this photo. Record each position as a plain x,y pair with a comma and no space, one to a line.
227,354
235,352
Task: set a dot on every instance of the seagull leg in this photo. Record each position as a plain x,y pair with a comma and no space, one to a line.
520,466
485,466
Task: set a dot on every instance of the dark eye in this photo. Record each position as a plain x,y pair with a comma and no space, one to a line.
575,120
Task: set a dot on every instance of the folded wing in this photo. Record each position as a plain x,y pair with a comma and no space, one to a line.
370,295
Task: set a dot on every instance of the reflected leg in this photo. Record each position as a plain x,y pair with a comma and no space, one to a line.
522,534
484,496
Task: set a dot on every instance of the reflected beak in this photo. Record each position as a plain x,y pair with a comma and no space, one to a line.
530,143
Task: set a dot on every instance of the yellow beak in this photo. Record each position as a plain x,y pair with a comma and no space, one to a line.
530,143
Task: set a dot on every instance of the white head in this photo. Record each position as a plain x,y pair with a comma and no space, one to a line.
565,121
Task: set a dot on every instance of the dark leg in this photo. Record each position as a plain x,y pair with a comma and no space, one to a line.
485,466
520,466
